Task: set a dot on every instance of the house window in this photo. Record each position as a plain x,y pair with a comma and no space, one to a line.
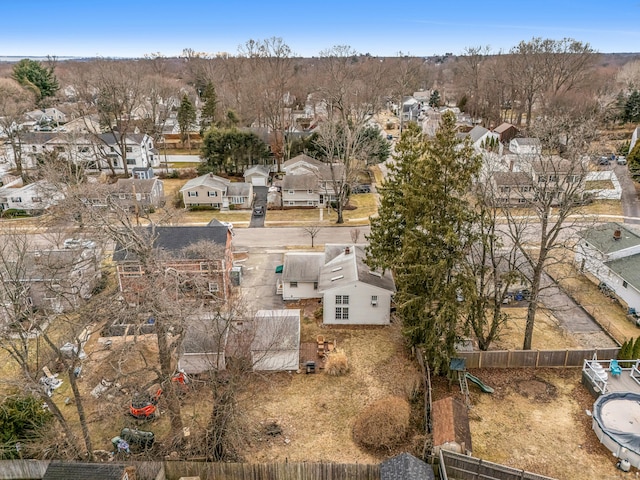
122,196
291,192
315,285
212,193
504,189
342,313
204,267
131,161
310,203
291,203
310,192
237,200
553,178
374,300
522,200
192,194
84,149
342,299
542,178
525,189
36,199
293,284
131,268
59,149
573,179
625,284
16,199
213,287
129,149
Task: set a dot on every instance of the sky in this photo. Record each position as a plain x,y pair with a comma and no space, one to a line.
120,28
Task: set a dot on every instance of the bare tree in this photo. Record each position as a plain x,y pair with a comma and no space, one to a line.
553,192
15,101
312,231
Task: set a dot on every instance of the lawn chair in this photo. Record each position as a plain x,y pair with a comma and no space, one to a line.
614,368
320,339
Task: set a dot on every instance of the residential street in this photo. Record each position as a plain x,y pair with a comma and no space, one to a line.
280,237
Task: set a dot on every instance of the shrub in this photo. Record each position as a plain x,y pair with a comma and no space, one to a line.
337,363
383,425
14,212
197,208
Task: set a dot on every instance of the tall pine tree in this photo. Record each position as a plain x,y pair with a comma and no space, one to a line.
186,118
423,234
208,113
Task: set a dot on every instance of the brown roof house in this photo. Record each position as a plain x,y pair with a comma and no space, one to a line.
450,426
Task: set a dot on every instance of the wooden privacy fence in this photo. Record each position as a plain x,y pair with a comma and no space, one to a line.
272,471
534,358
454,465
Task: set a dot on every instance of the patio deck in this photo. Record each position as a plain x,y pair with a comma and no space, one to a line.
627,381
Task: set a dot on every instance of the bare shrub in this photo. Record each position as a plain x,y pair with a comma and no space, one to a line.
383,425
337,363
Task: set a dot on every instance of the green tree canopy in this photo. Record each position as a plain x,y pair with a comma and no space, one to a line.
423,232
434,99
633,161
186,116
40,80
208,114
631,109
20,420
231,150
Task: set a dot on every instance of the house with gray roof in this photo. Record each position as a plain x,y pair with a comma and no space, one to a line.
216,192
257,175
610,255
275,345
481,138
204,345
405,467
309,182
353,293
300,274
138,193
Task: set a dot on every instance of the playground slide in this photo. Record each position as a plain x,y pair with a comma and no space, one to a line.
478,382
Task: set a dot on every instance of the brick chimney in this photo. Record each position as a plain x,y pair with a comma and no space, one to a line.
617,234
347,250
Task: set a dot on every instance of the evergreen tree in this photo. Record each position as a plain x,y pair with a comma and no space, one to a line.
423,233
231,150
434,99
208,114
40,80
635,354
633,161
631,111
186,118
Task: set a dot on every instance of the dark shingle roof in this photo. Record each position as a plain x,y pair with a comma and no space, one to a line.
405,467
83,471
175,239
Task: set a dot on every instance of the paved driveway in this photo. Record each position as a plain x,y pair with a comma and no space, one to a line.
259,279
629,199
260,199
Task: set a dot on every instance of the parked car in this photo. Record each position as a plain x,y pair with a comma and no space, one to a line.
622,160
604,161
258,210
362,189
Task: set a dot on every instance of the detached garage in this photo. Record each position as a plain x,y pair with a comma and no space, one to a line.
258,176
276,341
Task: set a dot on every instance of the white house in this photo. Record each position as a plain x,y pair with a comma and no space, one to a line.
352,293
216,192
258,175
308,181
525,146
276,340
611,253
32,198
300,274
482,138
634,138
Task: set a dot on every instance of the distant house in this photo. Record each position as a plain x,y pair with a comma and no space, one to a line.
525,146
506,132
352,293
482,138
634,138
144,194
33,198
56,280
610,253
276,340
258,175
216,192
314,182
140,151
451,429
300,275
204,344
405,467
210,277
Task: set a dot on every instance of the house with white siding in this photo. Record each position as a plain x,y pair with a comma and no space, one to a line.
216,192
352,293
300,273
610,254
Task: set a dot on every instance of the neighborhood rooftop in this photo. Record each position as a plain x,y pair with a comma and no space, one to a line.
602,237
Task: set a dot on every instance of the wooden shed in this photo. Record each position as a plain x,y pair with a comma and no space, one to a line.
451,430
